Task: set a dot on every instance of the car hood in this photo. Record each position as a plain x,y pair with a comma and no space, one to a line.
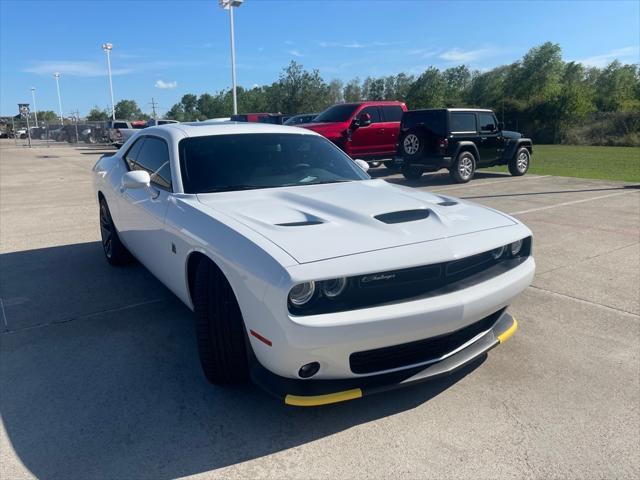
511,135
318,222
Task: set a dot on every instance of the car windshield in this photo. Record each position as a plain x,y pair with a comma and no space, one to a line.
337,113
222,163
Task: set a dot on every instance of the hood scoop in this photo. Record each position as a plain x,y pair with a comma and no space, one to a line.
403,216
300,224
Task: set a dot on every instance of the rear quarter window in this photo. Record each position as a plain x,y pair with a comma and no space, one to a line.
463,122
392,113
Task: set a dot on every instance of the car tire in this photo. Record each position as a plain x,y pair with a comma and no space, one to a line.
464,168
114,251
412,145
390,165
219,327
412,173
519,164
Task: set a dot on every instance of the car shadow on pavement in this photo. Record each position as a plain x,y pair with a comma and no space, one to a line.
435,179
101,379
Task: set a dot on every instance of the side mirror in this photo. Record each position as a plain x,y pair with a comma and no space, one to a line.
136,179
500,126
362,164
364,120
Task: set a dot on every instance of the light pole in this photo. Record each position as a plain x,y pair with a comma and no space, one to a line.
57,75
107,47
230,5
35,109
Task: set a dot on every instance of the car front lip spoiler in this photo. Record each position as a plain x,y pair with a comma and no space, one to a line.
311,393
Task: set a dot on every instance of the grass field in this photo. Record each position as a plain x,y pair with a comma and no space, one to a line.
606,163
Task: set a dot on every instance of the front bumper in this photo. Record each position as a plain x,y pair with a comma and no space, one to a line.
308,393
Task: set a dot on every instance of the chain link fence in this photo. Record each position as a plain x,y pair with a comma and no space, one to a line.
55,133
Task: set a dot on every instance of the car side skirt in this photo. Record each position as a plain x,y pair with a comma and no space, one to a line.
311,393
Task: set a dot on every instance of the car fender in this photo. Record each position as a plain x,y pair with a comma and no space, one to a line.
514,144
467,145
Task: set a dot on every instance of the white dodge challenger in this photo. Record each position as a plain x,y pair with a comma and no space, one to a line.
304,274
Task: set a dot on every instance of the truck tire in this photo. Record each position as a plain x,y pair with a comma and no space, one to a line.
219,327
464,168
412,173
114,251
519,164
390,165
412,145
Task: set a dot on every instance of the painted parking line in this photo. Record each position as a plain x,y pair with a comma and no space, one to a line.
481,184
573,202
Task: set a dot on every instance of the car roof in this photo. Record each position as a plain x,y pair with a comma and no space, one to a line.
451,110
202,129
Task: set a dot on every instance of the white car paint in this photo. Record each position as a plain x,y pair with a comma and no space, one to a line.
262,261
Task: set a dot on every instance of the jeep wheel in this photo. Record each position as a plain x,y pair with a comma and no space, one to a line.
390,164
519,164
412,173
412,145
464,167
219,327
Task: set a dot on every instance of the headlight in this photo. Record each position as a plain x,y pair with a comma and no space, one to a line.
333,288
302,293
498,252
515,247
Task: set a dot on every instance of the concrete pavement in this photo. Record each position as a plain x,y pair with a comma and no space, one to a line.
99,373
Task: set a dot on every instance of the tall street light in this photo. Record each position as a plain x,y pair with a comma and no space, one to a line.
107,47
230,5
35,109
57,75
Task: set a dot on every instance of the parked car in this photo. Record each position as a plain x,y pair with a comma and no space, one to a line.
318,282
365,130
152,122
116,130
274,118
461,140
299,119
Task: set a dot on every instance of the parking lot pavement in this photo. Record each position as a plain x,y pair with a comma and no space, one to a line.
99,374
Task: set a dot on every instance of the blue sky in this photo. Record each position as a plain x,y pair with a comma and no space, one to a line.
165,48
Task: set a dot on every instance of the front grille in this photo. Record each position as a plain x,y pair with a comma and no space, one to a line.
420,351
424,281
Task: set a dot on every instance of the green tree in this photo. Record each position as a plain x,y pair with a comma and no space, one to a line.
353,91
98,115
47,116
128,110
456,82
428,90
336,88
618,88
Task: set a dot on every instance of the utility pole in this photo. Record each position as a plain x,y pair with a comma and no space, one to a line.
35,109
57,77
76,116
107,47
153,108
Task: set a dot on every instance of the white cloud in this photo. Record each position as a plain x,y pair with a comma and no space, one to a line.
341,45
295,53
165,85
288,42
74,69
457,55
423,52
625,55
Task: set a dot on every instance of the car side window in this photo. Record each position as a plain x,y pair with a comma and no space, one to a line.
392,113
132,154
373,111
119,125
463,122
154,158
487,122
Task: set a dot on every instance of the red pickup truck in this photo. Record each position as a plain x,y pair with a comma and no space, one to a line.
365,130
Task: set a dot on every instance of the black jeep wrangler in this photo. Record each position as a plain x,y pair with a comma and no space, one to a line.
461,140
